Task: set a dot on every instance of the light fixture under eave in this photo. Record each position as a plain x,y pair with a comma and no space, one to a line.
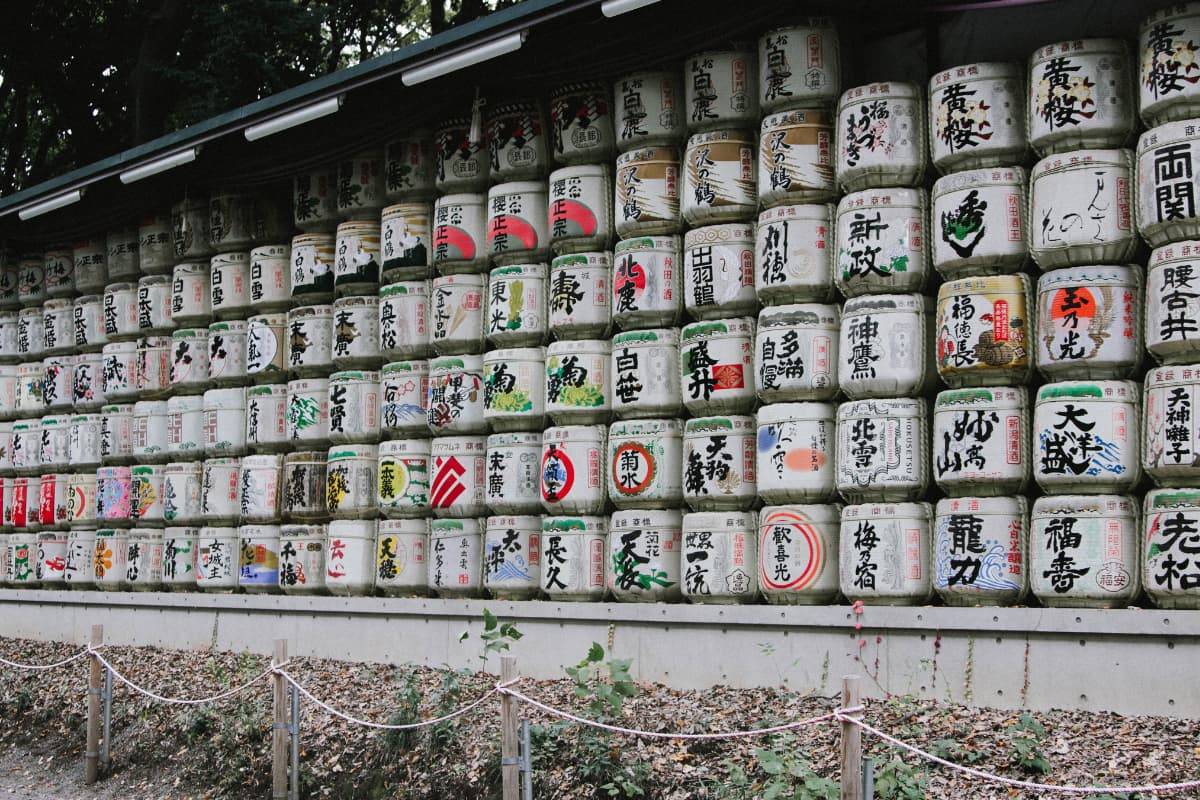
466,58
615,8
293,118
160,165
53,204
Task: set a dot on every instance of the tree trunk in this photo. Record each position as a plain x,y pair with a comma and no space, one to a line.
151,94
18,126
437,16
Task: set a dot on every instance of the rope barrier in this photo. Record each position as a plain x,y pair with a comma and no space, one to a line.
179,700
383,726
664,735
844,716
36,667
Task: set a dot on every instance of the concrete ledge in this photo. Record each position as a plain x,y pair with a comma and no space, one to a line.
1133,661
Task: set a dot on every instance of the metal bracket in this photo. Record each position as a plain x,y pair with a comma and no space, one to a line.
526,759
868,778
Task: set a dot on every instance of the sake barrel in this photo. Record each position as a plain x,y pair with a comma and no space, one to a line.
1167,82
1079,209
980,222
1085,437
882,242
716,361
1167,183
883,346
400,555
720,557
798,553
1170,525
645,463
1172,311
979,546
881,134
645,374
796,452
650,109
512,556
719,463
573,557
1081,95
1084,551
794,246
1089,322
796,352
884,554
721,87
455,564
1170,435
977,116
981,441
983,327
796,160
800,65
882,450
645,556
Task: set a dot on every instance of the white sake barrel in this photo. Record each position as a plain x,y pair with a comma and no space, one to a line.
797,553
51,558
350,557
156,249
645,374
57,391
795,158
1170,434
719,463
457,310
1084,551
258,560
224,432
461,159
229,285
259,487
91,266
794,245
1167,84
517,223
718,277
882,242
403,478
351,476
227,352
1172,309
1167,183
516,312
400,548
981,441
882,450
719,181
153,307
977,116
111,550
979,221
581,123
410,165
1085,437
796,352
720,557
190,225
154,366
114,494
149,430
354,407
179,558
459,233
304,482
514,473
572,469
265,353
355,333
58,335
185,426
310,340
1089,322
645,556
1170,572
881,132
716,361
979,546
404,319
181,488
514,391
1079,209
191,294
270,283
80,569
406,241
302,559
81,499
455,563
580,295
53,495
647,282
1081,95
122,256
456,396
116,434
645,463
650,109
884,345
800,65
983,329
573,558
143,560
314,199
189,360
312,268
219,490
119,376
647,192
796,454
516,140
578,381
885,553
459,481
356,265
580,212
404,398
512,556
360,192
721,87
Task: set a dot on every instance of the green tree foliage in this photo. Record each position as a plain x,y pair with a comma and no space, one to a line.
83,79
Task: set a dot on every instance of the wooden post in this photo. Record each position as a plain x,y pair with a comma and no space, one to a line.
279,730
510,770
91,753
852,783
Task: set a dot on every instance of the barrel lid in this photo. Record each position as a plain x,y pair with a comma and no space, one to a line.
371,375
921,510
815,212
516,354
879,408
353,451
229,325
322,310
182,333
514,438
719,521
274,319
725,424
1167,132
293,531
301,456
1097,275
569,525
214,532
570,433
470,281
440,528
442,363
979,178
733,134
231,257
1186,250
1079,47
639,155
795,116
455,444
525,522
1157,499
120,287
262,460
183,466
1016,283
144,407
1112,391
358,226
671,244
651,518
519,271
202,266
984,70
1172,375
735,326
262,251
235,394
579,346
258,531
1008,506
886,303
891,197
822,315
646,427
409,526
184,402
1099,504
1006,397
352,528
404,447
900,90
798,514
667,336
117,408
725,233
461,199
267,389
404,287
1079,160
145,533
416,365
517,187
595,258
787,412
340,303
179,531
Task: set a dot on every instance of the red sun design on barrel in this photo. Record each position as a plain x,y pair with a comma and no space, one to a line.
506,225
1073,303
455,242
630,271
572,218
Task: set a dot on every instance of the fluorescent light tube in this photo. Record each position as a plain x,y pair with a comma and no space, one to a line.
615,8
160,165
465,58
293,118
53,204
